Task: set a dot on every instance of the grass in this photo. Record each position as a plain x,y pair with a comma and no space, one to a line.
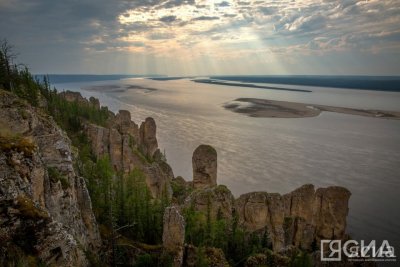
16,143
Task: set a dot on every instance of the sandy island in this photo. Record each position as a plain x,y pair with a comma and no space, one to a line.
264,108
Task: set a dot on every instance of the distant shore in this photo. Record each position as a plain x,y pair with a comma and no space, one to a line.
265,108
217,82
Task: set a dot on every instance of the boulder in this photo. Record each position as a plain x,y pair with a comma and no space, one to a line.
204,163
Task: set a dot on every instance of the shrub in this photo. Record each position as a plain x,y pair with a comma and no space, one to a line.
56,176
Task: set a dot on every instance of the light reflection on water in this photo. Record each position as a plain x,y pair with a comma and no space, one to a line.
279,155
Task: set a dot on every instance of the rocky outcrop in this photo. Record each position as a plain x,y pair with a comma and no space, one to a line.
204,162
316,215
218,201
261,259
262,211
298,219
148,142
129,147
125,126
94,102
174,234
205,256
71,96
45,208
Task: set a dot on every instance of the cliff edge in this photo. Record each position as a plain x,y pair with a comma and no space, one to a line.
45,207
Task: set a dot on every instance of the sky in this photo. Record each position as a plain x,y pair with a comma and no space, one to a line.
204,37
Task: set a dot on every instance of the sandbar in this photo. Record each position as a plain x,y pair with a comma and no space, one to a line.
264,108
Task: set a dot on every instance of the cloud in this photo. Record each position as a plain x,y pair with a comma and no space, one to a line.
308,23
223,4
160,36
206,18
163,27
168,19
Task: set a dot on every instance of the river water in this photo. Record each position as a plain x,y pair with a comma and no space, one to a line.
276,154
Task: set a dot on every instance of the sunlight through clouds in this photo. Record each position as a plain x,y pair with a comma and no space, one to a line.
239,36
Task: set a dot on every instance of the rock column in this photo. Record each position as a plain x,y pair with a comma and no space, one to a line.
204,162
174,234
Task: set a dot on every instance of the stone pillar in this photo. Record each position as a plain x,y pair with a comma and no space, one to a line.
174,234
148,139
204,162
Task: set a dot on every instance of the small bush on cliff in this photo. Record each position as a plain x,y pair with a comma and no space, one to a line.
17,143
55,176
28,208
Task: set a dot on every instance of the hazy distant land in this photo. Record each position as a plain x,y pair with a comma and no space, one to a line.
265,108
119,88
375,83
211,81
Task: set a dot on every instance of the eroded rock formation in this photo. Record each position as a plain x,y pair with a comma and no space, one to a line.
299,219
130,147
45,208
148,142
174,234
204,162
217,200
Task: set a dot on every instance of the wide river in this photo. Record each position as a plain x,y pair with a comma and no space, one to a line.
276,154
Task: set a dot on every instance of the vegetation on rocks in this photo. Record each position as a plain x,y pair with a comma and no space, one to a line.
28,209
122,203
213,229
17,143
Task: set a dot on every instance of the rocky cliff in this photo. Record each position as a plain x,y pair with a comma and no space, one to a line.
128,146
46,212
45,207
299,219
